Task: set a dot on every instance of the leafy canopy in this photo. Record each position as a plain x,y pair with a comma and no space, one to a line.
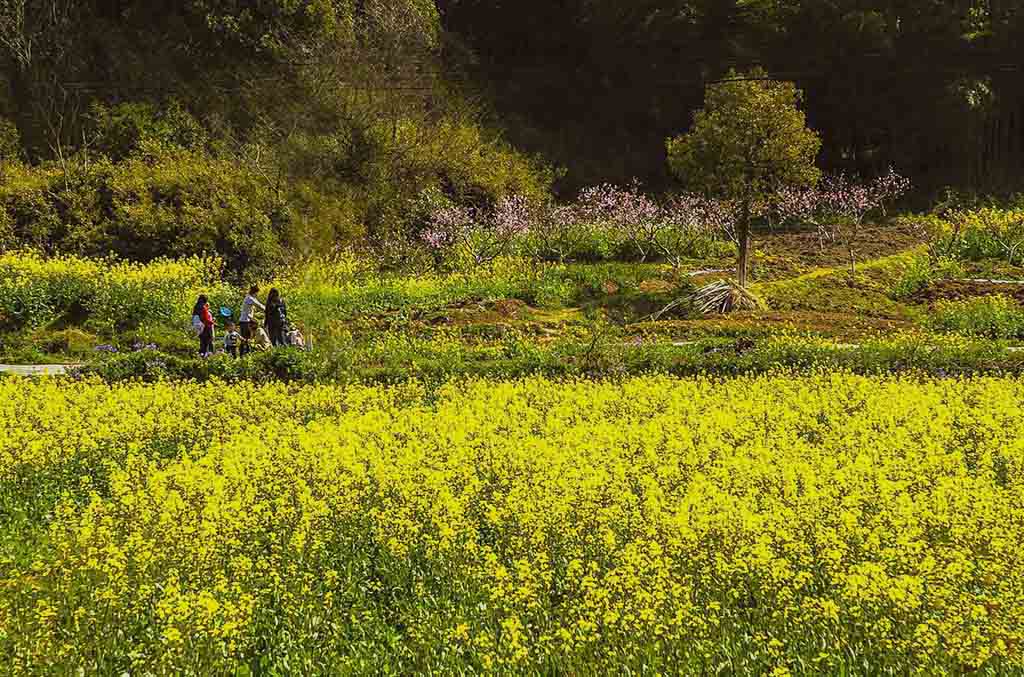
749,140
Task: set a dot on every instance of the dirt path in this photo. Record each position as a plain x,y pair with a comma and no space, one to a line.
36,369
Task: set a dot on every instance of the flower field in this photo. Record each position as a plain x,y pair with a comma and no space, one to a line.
814,524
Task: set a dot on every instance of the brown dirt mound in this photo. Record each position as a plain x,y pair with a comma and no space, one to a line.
787,253
959,290
508,308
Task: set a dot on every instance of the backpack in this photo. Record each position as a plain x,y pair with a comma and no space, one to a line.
197,325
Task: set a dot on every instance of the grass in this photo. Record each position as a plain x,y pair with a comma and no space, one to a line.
348,310
867,292
581,353
584,328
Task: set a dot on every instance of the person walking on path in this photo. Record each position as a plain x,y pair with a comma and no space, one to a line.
276,318
205,325
245,320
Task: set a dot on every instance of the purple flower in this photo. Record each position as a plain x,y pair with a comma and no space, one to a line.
619,207
512,216
797,204
842,197
447,226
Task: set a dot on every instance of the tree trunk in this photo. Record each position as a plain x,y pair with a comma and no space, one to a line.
744,237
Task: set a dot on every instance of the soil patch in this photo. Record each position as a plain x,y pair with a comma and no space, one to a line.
959,290
788,253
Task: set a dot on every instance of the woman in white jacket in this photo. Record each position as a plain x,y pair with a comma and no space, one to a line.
245,320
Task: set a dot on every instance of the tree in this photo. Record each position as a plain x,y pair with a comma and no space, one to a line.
748,142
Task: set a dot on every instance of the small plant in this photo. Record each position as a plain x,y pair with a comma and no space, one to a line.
993,317
922,271
975,235
724,296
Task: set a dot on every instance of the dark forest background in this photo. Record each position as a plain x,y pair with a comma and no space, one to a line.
274,124
932,86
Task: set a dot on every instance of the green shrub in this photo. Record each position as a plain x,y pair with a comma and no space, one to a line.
923,270
177,205
10,142
29,213
143,128
473,164
390,169
107,295
994,317
591,352
185,204
563,238
983,233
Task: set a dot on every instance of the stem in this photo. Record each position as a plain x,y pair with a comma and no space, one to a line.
744,246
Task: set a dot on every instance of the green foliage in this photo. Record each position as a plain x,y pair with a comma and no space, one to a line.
237,90
396,163
983,233
131,128
160,189
186,204
593,352
570,239
749,140
994,317
923,270
274,27
105,295
10,143
183,203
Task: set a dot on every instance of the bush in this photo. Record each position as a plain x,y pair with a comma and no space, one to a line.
186,204
994,317
141,128
156,183
978,234
388,166
110,295
151,366
922,271
596,351
10,142
562,237
180,204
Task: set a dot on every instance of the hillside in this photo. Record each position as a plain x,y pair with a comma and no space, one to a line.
511,337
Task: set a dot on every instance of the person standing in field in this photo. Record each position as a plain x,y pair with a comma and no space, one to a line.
201,312
276,318
245,320
232,339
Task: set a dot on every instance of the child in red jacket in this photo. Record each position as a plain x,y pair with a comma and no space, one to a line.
205,325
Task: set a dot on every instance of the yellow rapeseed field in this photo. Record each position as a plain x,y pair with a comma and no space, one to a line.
815,524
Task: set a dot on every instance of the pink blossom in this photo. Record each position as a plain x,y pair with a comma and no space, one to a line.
512,216
447,226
